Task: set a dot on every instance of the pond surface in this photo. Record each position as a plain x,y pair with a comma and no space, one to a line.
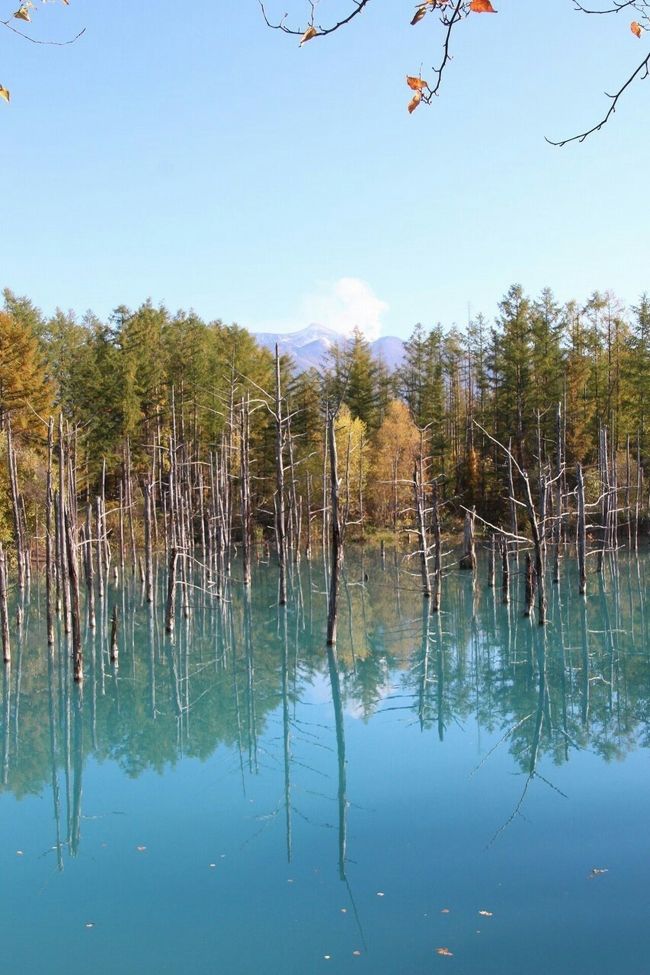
241,801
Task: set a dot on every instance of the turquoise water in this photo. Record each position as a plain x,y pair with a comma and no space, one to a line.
240,801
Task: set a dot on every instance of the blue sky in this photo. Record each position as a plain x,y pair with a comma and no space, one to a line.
187,153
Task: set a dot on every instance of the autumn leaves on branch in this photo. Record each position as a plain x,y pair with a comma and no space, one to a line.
450,13
23,14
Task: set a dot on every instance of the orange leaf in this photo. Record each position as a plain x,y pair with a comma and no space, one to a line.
444,952
419,14
636,28
482,7
5,94
415,101
307,36
417,84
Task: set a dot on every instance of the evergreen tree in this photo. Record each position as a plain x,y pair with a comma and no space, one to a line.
514,418
355,378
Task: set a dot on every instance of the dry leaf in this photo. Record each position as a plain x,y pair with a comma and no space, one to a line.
419,14
415,101
307,36
5,93
482,7
23,13
486,913
636,28
417,84
444,952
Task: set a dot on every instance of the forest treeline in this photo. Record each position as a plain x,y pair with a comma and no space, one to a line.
457,391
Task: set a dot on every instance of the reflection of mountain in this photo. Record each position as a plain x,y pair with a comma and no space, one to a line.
232,672
309,347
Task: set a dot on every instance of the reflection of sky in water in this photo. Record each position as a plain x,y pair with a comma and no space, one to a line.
218,807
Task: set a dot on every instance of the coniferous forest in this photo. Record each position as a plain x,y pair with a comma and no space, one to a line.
536,373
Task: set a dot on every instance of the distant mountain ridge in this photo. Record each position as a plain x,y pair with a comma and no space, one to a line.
309,346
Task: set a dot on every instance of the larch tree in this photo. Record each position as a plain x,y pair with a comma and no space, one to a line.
25,393
395,449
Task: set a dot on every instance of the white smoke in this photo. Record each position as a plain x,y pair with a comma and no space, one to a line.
346,304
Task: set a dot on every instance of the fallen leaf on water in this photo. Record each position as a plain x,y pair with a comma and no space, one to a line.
486,913
344,910
141,849
444,952
327,957
19,853
89,924
356,952
380,893
445,910
598,872
212,866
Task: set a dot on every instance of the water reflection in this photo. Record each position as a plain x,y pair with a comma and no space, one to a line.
238,663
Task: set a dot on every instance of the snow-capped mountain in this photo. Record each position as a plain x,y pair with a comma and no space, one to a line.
309,346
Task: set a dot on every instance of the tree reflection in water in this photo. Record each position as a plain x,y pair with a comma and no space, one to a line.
238,664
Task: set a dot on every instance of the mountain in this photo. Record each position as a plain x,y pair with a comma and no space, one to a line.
309,347
390,349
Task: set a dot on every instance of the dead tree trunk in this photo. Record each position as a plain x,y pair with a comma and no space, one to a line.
336,534
492,560
279,468
437,549
170,611
529,595
245,486
505,573
16,507
4,612
48,538
581,539
77,651
423,551
63,561
468,561
114,651
148,542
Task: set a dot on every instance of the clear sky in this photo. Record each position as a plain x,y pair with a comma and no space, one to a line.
187,153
